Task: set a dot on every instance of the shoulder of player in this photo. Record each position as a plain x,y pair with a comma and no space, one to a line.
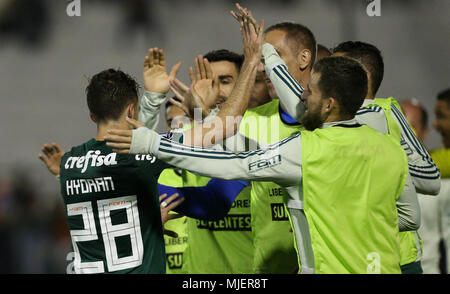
371,115
262,109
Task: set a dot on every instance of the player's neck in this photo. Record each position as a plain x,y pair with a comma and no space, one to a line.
370,95
102,128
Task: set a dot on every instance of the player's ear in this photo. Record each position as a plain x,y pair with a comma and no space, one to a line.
92,116
330,104
130,110
304,59
133,110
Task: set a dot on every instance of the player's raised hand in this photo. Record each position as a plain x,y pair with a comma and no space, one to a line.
156,78
244,12
252,33
203,92
204,88
52,157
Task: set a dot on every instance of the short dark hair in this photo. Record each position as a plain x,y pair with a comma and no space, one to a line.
225,55
322,49
109,93
444,95
303,37
369,56
344,79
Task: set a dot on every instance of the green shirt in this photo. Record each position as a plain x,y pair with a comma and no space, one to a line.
113,211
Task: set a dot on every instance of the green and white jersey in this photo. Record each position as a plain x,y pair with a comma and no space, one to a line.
174,246
113,210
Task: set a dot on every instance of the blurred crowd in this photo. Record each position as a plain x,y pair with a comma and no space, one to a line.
33,230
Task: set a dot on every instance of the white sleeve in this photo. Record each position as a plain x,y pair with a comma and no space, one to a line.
150,107
408,208
279,162
424,172
288,89
240,143
373,117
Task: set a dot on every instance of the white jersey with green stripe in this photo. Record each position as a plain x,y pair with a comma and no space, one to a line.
424,172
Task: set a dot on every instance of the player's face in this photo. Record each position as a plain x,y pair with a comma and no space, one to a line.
277,38
228,74
442,121
413,115
175,117
260,94
312,118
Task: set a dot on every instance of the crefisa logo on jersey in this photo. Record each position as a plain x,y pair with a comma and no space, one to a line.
92,157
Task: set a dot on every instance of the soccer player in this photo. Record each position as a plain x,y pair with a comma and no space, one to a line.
204,203
352,221
442,125
431,229
441,157
268,124
113,210
424,172
384,116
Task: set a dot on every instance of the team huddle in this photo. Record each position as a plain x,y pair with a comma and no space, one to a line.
281,161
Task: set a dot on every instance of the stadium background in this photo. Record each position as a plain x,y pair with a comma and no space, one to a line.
47,56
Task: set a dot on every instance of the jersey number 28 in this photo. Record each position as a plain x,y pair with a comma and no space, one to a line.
109,232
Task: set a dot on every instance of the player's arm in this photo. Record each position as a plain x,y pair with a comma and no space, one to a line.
279,162
408,208
156,85
211,202
288,89
424,172
226,122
